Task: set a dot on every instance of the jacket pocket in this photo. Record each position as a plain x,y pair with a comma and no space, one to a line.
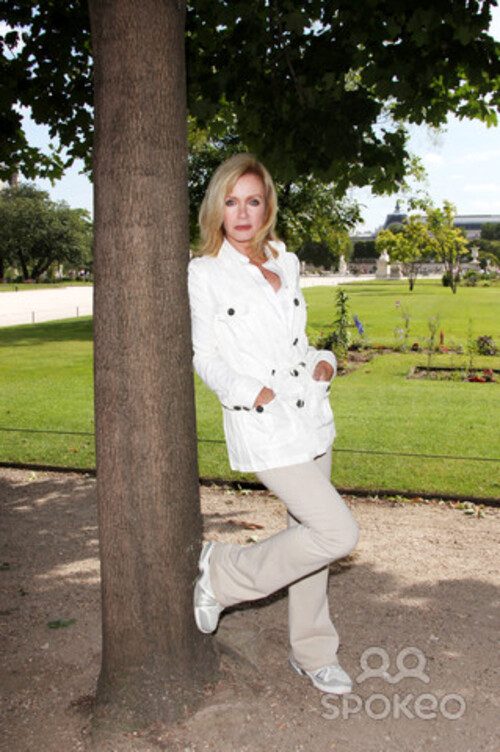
233,323
318,398
274,422
232,313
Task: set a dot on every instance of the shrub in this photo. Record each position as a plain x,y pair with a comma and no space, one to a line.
486,346
470,278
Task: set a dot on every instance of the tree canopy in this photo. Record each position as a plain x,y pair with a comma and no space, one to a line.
409,244
319,87
422,238
36,233
449,241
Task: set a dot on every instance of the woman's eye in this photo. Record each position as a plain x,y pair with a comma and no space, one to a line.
230,202
255,202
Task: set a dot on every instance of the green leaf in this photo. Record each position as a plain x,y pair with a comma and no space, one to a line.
60,623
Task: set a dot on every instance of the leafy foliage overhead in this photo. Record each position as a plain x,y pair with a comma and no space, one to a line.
46,66
325,86
316,86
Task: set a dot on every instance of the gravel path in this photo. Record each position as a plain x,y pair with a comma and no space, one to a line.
417,607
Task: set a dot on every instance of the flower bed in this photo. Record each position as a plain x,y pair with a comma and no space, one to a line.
449,373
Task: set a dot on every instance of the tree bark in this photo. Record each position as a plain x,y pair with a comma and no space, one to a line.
154,663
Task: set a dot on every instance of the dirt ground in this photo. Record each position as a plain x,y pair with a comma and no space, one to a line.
417,607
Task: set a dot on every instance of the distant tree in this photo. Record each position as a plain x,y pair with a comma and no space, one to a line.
489,244
489,250
318,254
314,222
449,242
411,244
490,231
364,250
37,233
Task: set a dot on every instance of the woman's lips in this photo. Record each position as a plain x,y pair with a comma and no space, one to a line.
243,227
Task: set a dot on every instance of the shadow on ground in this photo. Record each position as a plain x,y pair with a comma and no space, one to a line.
416,606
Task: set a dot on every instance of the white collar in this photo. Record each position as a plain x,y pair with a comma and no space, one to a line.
229,251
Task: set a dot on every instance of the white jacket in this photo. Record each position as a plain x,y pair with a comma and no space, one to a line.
244,338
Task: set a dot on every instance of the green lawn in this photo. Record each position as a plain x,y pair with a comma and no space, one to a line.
379,409
474,308
28,286
46,384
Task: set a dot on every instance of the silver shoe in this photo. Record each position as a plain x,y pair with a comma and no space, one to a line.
332,679
206,608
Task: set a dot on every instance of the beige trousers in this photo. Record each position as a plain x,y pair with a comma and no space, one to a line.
320,530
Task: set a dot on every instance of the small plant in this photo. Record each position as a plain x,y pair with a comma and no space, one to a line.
486,346
471,349
339,338
358,325
361,341
402,333
433,325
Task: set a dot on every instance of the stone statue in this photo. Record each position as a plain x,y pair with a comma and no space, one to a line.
383,266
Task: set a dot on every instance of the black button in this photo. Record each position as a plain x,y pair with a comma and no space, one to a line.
260,409
302,364
300,403
230,311
236,407
273,372
295,341
296,301
294,372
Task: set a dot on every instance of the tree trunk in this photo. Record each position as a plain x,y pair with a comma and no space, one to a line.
155,663
453,278
24,267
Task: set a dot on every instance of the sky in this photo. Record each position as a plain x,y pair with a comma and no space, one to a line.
462,163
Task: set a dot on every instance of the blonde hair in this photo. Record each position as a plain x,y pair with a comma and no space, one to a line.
212,207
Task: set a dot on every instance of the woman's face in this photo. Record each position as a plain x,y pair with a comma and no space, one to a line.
244,211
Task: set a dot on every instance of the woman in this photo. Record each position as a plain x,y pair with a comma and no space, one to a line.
250,348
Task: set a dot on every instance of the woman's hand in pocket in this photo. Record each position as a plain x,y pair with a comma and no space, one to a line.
265,396
323,371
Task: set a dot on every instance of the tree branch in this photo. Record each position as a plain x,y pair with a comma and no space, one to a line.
283,46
